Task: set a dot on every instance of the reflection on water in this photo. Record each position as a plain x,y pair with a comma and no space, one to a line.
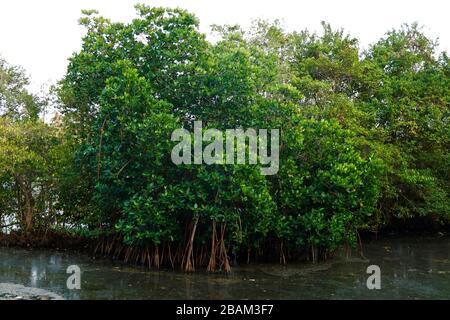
411,268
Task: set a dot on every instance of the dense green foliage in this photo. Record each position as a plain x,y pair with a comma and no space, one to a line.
364,139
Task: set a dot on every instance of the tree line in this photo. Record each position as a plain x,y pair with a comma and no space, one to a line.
364,142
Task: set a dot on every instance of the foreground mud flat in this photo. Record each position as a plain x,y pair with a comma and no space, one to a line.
11,291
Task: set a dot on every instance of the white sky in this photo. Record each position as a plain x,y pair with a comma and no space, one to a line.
41,34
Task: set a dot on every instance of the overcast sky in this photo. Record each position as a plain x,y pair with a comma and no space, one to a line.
41,34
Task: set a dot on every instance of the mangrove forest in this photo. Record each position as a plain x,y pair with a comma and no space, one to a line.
364,140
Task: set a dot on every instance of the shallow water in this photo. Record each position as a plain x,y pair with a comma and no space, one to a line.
411,268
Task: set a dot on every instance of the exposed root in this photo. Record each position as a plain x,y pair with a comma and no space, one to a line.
188,259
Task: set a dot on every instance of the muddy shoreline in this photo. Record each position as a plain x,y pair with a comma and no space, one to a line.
11,291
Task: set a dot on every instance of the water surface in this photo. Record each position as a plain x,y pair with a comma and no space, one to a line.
411,268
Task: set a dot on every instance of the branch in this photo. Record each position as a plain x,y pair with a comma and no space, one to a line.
124,166
9,225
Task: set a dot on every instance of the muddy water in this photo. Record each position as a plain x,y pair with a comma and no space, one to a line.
411,268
